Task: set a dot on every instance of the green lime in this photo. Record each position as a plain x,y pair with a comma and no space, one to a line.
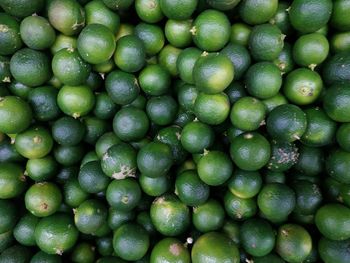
90,215
310,161
212,109
197,136
320,129
283,156
73,194
154,186
169,215
256,12
162,110
154,159
240,58
130,54
63,41
154,80
152,37
309,16
9,215
104,108
41,169
97,12
303,86
83,252
285,61
340,42
212,73
310,50
214,246
171,136
37,33
105,142
276,201
178,9
248,114
56,234
250,151
67,16
124,194
263,80
10,34
240,33
185,63
33,143
68,131
208,216
245,184
286,122
16,253
308,197
336,102
266,42
170,250
43,199
69,155
211,30
293,243
91,177
239,209
96,43
167,58
15,114
281,18
122,87
130,242
339,19
30,67
149,10
336,69
330,250
190,189
12,180
130,124
274,102
43,101
343,138
119,161
69,67
116,218
177,32
76,101
337,165
257,237
214,168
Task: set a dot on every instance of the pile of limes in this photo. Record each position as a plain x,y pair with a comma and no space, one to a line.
175,131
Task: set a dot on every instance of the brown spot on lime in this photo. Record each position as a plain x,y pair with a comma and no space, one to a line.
193,31
248,136
59,251
284,232
4,28
37,139
175,249
152,4
44,206
125,199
